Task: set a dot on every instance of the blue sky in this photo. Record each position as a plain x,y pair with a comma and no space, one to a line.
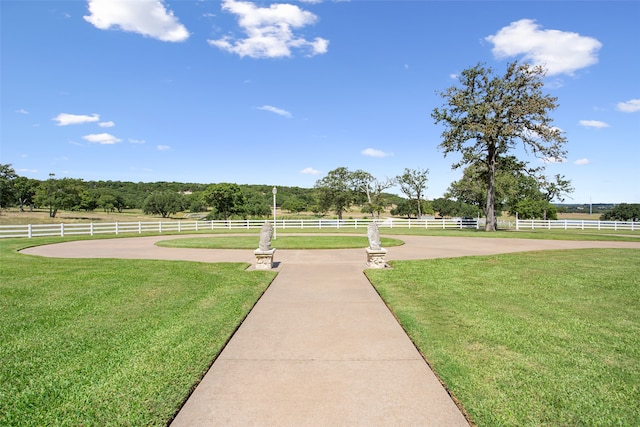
280,93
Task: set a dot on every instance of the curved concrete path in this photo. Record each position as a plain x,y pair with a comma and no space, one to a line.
320,347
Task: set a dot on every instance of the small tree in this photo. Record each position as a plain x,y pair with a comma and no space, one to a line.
165,203
487,116
65,193
413,183
226,200
294,204
334,191
25,191
107,202
409,208
371,189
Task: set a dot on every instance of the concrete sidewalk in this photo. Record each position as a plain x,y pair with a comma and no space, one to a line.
320,348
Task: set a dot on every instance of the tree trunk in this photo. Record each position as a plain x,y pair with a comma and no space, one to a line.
490,209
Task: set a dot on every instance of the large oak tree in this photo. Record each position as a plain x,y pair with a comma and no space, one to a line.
487,116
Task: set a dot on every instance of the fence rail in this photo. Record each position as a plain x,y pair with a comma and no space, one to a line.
185,226
568,224
117,228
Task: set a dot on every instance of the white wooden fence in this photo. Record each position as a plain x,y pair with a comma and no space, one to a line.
186,226
568,224
116,228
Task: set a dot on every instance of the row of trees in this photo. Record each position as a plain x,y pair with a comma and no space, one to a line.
339,191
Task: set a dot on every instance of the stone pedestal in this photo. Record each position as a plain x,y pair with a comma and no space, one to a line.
264,259
375,258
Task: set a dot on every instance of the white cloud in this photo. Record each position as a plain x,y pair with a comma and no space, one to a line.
560,52
137,141
108,124
593,124
147,17
275,110
102,138
372,152
581,162
310,171
22,111
163,147
630,106
269,31
453,76
65,119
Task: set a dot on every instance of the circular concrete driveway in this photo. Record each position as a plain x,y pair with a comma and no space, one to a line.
415,247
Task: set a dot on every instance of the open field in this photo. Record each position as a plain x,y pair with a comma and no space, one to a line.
41,216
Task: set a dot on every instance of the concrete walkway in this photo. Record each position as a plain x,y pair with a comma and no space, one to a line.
320,347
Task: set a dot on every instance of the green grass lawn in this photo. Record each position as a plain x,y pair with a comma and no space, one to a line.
282,242
539,338
111,342
534,339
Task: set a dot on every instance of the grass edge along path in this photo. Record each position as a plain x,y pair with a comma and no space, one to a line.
540,338
108,341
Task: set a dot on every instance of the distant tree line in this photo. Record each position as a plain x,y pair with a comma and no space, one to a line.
340,191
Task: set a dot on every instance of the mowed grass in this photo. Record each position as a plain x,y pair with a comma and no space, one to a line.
282,242
111,342
533,339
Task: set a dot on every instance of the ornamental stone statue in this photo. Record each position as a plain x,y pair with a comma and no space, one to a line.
266,234
375,251
374,236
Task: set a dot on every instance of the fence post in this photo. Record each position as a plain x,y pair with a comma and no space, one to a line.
62,229
117,229
160,227
91,229
29,231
